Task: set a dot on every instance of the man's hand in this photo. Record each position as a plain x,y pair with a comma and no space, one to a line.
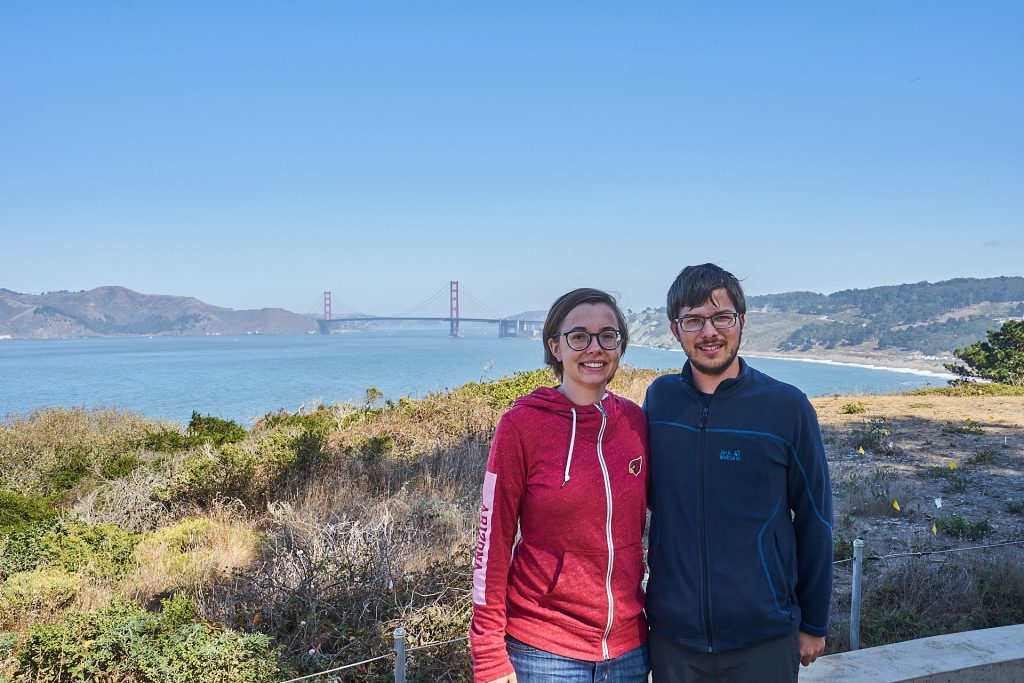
811,647
511,678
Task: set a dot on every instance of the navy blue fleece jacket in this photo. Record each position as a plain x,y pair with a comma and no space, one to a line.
741,526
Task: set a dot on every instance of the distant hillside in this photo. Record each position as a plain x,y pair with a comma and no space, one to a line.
120,311
926,319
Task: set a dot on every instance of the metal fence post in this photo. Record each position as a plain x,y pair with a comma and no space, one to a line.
399,644
858,574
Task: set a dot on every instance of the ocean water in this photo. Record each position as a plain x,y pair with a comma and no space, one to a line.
242,377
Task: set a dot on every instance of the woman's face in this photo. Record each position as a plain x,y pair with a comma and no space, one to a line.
592,368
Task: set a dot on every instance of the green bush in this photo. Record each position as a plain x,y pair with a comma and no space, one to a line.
119,466
971,389
320,422
36,594
969,426
52,451
213,430
955,525
248,470
165,439
126,643
854,407
875,435
502,392
19,512
102,550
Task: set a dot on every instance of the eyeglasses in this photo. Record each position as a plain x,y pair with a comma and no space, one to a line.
695,323
580,340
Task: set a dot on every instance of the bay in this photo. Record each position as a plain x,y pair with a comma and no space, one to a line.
242,377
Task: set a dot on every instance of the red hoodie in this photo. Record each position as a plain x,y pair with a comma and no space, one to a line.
573,481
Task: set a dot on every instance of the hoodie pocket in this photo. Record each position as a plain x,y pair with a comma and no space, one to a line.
578,592
627,577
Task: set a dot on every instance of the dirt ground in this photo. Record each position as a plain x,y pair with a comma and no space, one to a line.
935,457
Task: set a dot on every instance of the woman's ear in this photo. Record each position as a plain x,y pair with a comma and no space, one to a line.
553,347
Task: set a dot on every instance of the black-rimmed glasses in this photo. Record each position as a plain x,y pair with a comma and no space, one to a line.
580,340
695,323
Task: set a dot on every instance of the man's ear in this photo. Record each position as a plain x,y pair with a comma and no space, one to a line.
743,319
675,330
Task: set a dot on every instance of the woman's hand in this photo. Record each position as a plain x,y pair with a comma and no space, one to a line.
511,678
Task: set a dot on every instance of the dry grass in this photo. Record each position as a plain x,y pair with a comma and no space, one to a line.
49,450
190,555
909,598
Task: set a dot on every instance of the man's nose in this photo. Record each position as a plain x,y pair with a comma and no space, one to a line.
708,330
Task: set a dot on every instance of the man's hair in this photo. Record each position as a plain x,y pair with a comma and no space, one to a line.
560,310
694,286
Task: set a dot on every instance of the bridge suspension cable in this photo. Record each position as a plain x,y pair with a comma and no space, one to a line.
423,304
491,313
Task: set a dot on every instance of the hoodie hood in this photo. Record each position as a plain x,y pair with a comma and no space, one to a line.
550,399
583,422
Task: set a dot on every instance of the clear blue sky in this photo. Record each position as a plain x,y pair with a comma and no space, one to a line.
255,153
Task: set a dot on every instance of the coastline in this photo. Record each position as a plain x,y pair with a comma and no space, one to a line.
914,365
910,367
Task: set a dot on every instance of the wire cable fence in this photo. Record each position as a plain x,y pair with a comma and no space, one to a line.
856,588
400,651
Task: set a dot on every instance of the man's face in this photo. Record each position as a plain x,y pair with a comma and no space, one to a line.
711,351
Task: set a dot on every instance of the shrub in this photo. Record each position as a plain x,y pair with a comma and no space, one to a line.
955,525
165,439
956,480
875,435
970,389
213,430
969,426
189,555
125,643
1015,507
248,470
52,451
100,550
842,549
854,408
982,457
915,599
35,596
19,512
119,466
501,393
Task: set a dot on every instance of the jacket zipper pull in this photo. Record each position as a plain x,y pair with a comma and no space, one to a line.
703,419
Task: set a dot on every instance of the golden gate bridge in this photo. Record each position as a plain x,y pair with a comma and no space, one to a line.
450,310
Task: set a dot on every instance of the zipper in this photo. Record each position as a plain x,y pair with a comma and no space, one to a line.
608,533
706,593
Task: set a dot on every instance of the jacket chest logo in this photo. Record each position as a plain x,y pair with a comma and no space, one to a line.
733,456
636,465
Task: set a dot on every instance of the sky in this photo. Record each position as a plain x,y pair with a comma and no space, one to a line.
255,154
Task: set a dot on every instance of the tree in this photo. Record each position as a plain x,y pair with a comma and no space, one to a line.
1000,359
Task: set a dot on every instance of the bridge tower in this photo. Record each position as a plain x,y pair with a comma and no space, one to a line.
454,310
325,324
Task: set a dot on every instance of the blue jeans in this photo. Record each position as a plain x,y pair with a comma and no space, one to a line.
537,666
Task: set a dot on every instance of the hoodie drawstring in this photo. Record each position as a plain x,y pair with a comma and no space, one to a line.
572,442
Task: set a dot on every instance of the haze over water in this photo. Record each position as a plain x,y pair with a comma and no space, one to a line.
242,377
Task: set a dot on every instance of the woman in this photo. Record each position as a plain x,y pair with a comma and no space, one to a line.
567,471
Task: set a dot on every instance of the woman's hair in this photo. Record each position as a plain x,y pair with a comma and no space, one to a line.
560,310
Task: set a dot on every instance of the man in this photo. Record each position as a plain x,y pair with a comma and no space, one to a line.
741,527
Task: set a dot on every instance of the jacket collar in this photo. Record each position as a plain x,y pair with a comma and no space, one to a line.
727,386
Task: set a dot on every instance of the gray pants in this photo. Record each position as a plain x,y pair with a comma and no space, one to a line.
773,661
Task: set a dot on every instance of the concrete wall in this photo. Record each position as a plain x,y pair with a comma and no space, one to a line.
994,655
